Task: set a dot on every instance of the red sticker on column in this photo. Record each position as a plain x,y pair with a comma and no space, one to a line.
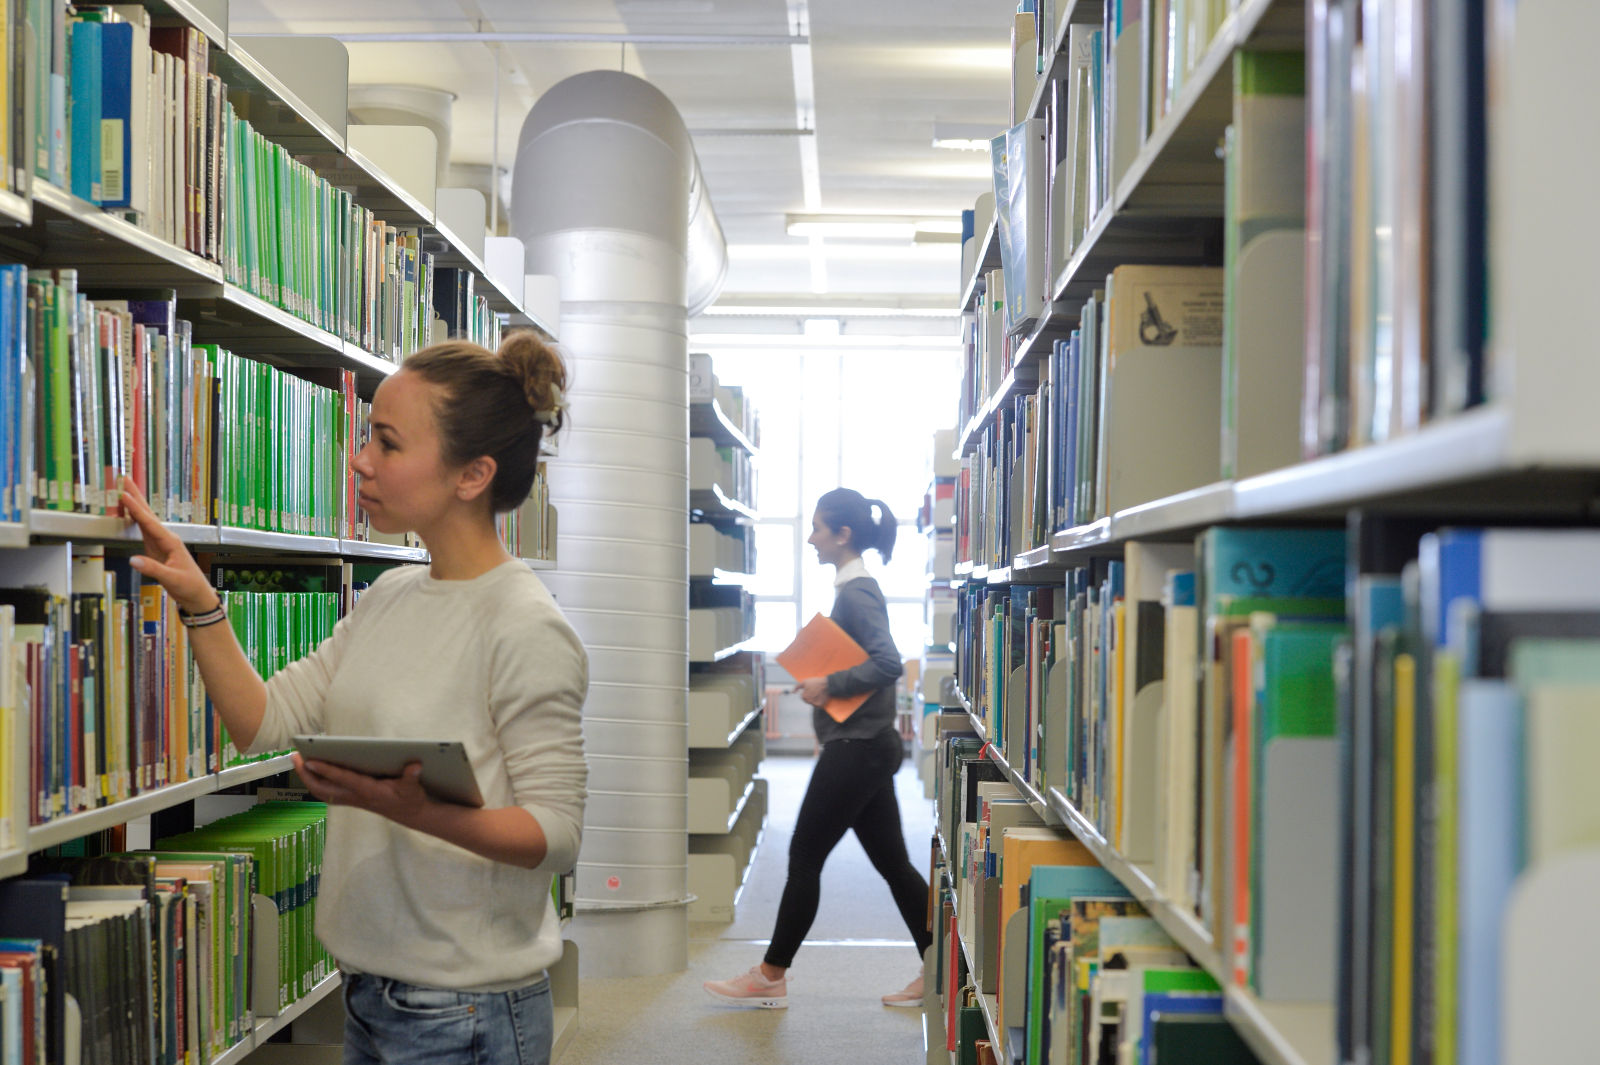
613,882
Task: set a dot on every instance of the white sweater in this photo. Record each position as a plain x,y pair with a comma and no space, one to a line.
491,662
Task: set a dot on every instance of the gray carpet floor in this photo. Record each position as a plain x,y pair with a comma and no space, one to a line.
857,950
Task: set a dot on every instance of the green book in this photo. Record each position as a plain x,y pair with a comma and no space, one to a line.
1051,892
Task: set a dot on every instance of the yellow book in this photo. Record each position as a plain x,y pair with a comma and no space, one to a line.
1405,798
1021,849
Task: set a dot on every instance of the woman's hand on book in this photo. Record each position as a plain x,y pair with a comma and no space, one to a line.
814,690
400,799
166,560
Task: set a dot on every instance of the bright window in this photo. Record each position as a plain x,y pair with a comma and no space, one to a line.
864,420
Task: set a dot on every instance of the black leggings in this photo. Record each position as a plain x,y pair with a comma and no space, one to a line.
852,787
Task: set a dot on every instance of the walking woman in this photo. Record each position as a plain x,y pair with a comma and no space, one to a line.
852,786
438,914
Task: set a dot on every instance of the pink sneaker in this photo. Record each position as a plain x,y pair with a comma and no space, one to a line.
752,989
909,997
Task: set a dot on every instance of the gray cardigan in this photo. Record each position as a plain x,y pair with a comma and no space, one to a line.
858,609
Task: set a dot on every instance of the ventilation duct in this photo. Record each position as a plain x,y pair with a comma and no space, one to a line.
607,196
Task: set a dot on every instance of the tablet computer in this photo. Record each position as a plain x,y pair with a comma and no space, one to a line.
446,771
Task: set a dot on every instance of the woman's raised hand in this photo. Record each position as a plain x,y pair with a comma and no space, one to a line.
166,559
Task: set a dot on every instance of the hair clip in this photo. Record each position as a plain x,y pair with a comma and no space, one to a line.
558,403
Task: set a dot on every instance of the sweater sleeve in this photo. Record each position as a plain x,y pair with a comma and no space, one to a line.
861,613
536,702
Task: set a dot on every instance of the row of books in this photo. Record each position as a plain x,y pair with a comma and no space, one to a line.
130,117
101,691
303,245
729,469
530,532
1355,228
119,389
1398,303
1467,715
1112,421
159,949
1339,749
986,347
1072,959
1088,688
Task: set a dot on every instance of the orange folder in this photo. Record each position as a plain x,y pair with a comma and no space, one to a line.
821,648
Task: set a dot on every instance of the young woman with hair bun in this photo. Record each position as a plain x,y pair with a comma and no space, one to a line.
852,786
438,914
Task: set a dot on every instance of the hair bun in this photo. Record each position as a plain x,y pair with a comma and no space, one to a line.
539,371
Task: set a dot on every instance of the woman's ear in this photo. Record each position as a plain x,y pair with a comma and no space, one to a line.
475,478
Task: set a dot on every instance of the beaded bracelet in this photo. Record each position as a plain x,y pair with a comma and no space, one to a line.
200,621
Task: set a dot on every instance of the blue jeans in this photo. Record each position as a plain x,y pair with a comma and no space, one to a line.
391,1023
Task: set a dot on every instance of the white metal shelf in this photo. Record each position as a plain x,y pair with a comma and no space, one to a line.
15,208
305,130
382,552
189,12
267,1027
711,421
169,264
564,1024
1473,444
1449,456
541,564
714,503
243,774
66,525
72,826
277,541
13,534
738,730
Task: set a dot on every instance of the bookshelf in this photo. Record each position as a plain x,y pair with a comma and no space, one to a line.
1521,452
267,1027
292,93
727,679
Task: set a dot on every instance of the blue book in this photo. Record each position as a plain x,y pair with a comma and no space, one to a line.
1488,818
116,114
969,222
1177,1003
12,384
1472,573
1239,562
85,129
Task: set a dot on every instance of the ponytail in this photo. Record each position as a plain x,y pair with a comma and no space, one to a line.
885,530
847,508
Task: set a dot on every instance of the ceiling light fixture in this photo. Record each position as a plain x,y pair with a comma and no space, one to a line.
863,228
871,227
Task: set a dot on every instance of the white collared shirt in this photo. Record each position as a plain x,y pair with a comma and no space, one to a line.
848,572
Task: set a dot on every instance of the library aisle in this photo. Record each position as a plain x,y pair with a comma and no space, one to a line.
856,952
